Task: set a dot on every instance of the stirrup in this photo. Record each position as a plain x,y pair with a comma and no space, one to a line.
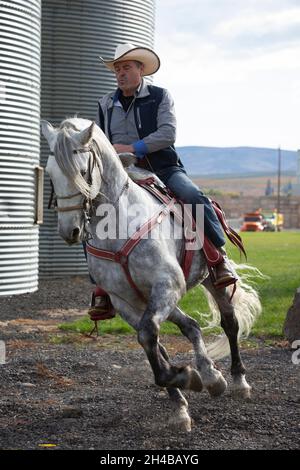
104,311
231,281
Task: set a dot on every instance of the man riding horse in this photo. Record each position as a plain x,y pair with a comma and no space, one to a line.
139,118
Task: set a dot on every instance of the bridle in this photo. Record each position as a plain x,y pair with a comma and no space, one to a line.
68,208
54,197
87,203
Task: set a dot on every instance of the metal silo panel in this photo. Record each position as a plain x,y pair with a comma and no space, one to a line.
18,260
74,34
19,143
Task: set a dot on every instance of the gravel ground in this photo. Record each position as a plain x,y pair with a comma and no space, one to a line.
73,392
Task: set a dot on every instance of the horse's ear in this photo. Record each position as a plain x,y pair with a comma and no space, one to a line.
85,136
46,127
49,132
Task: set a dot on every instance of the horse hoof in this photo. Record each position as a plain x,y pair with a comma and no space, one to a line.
181,421
195,382
219,387
242,393
241,388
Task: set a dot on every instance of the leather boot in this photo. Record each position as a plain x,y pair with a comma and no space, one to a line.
224,272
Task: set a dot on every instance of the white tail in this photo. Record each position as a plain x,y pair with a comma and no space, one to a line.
247,308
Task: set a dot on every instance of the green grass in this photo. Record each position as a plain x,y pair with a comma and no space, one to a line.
276,255
85,325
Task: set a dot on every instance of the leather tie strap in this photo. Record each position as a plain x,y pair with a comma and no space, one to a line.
232,235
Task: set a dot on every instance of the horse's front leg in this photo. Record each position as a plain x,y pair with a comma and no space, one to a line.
181,418
162,301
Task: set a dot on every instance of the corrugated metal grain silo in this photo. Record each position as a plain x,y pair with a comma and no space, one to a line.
19,144
74,33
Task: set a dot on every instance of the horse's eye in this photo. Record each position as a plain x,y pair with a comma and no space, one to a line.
83,172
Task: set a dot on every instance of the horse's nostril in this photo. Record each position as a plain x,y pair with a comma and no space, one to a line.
75,233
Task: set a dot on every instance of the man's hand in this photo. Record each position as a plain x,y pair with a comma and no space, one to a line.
121,148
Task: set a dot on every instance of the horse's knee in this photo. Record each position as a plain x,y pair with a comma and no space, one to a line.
192,325
187,325
143,337
147,333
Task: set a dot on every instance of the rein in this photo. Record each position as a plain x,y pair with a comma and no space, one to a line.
70,208
55,197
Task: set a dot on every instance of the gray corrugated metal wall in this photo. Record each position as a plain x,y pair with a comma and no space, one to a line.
74,33
19,143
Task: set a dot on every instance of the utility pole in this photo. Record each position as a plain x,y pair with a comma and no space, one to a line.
278,187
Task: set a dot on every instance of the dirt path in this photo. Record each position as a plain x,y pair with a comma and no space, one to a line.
83,394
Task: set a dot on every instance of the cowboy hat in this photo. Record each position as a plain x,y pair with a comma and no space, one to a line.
130,52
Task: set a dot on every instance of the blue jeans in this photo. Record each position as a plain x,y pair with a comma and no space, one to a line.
176,179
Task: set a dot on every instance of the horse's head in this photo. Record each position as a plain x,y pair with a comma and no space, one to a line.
75,171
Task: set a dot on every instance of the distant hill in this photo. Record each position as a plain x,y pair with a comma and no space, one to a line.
235,160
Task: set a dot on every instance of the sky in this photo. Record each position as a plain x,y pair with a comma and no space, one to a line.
233,69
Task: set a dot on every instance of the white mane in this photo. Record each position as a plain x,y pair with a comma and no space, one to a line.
66,144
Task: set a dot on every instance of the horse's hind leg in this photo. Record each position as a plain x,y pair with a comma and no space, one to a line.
162,301
230,326
181,418
212,379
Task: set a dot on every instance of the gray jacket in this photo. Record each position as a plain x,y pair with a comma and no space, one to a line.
124,128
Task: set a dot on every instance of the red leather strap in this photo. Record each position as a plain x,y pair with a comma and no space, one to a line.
99,292
102,254
145,228
121,256
187,254
232,235
163,195
212,254
145,181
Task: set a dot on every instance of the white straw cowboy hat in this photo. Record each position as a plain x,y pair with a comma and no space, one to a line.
130,52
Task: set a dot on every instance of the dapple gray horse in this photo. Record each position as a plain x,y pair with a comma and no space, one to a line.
86,171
